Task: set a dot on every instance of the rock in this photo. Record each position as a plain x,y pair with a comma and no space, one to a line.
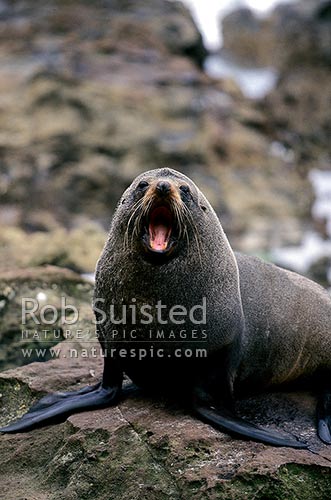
247,38
77,249
132,25
294,38
297,110
319,270
295,34
108,94
26,338
153,448
304,33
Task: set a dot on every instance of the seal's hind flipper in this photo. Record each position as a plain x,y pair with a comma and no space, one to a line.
55,408
227,421
324,417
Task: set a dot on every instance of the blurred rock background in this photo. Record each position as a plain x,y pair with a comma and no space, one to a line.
93,93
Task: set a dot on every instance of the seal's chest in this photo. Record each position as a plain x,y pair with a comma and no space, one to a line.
164,375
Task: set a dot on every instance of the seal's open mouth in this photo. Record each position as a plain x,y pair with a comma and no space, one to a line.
160,229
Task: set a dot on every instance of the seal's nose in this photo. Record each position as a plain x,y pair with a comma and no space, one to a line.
163,188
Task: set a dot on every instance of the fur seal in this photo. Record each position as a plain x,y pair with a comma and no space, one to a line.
260,325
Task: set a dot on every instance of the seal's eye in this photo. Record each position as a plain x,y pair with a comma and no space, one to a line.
184,189
143,185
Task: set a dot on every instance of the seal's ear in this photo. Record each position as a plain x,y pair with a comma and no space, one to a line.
125,195
204,208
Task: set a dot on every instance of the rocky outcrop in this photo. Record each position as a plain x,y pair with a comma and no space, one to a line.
298,111
298,106
248,38
94,95
294,34
152,449
26,338
77,249
74,112
294,39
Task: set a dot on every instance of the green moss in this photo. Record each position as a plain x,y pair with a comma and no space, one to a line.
16,398
291,482
199,449
95,464
37,339
196,489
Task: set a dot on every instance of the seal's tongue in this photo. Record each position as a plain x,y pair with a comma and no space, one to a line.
159,237
160,228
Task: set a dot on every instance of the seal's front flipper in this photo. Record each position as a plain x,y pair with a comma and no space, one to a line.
324,417
55,408
227,421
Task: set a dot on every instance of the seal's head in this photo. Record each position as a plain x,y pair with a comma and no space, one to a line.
159,215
